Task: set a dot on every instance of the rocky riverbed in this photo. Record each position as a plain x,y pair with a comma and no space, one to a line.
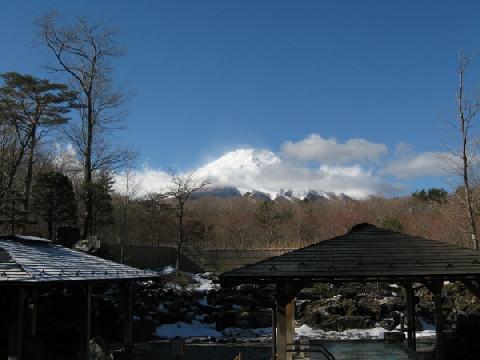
196,308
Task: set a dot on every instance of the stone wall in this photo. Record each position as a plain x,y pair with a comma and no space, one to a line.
194,259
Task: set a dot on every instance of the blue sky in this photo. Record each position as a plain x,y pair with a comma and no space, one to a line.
213,76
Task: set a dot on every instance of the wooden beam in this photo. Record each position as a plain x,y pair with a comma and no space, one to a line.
411,331
16,334
436,287
281,331
290,326
274,330
87,322
285,314
127,319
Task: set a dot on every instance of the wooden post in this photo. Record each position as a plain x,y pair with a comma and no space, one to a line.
274,330
281,329
411,331
17,324
436,289
87,323
285,315
127,318
290,326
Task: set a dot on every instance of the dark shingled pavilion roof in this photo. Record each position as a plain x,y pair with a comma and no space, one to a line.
365,253
30,260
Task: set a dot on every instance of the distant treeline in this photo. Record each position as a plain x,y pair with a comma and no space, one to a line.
248,222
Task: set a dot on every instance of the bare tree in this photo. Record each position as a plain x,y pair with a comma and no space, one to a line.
84,51
158,213
181,188
128,186
462,158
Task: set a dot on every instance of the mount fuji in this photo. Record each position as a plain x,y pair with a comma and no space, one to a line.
260,173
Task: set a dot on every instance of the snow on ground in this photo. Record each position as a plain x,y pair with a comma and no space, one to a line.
198,329
356,334
167,270
351,334
428,329
203,283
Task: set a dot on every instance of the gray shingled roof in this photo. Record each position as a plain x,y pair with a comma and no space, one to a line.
366,253
30,260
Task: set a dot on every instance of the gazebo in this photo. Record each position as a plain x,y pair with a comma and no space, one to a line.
29,263
365,254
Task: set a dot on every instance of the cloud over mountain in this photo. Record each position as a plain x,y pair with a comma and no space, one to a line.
357,168
316,148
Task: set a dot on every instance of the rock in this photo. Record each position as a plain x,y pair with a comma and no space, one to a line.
388,323
99,350
189,316
225,319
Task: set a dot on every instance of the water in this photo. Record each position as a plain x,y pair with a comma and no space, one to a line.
363,350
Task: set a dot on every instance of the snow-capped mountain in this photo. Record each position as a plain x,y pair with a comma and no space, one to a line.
260,173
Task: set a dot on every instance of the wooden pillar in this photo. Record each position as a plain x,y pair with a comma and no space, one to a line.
87,323
281,337
411,331
285,315
127,318
436,289
290,326
274,330
17,324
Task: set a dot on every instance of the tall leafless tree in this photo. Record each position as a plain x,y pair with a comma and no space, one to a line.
128,188
84,50
181,188
462,158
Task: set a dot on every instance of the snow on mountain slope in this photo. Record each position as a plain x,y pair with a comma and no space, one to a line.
251,171
240,162
266,174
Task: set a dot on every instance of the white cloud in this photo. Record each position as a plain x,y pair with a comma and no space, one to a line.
316,148
262,170
420,165
356,167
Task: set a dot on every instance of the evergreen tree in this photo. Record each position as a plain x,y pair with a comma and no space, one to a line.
431,195
30,107
11,210
101,190
392,224
54,200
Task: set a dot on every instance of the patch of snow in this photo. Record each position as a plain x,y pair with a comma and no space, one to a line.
236,307
167,270
203,284
203,301
425,334
32,238
351,334
200,317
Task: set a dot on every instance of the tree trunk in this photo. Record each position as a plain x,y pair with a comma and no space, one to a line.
180,237
87,171
29,175
465,123
124,230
